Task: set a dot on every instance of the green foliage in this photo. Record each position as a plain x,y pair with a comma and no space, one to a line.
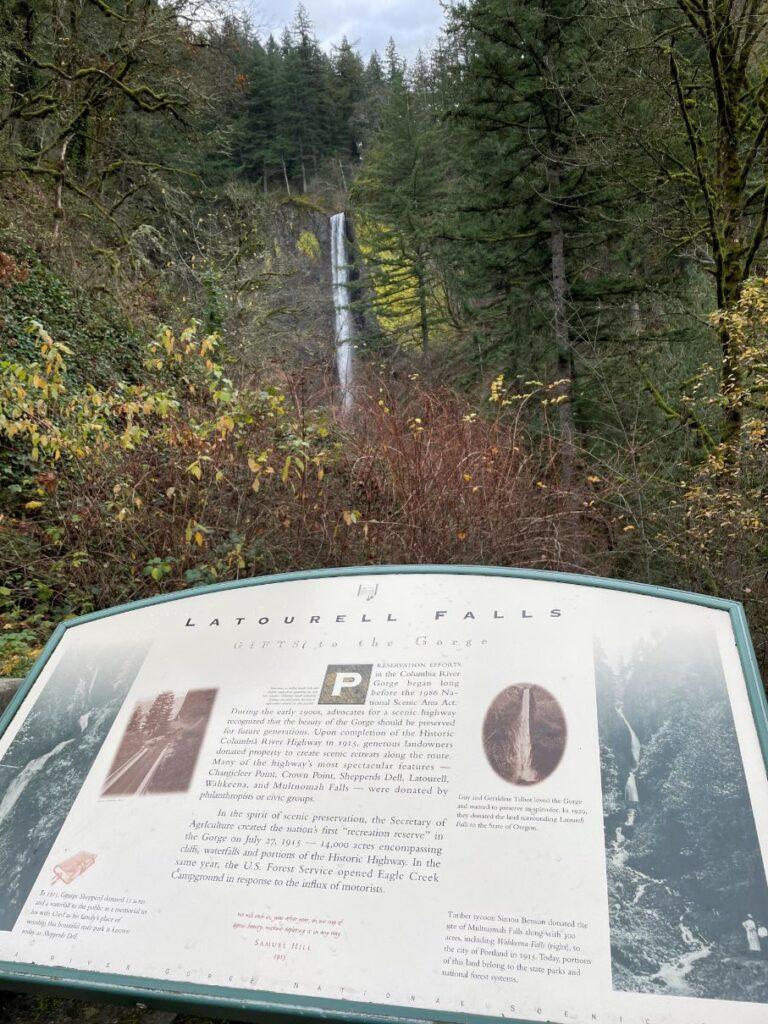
18,649
188,478
79,102
133,466
309,245
724,494
297,107
398,196
103,345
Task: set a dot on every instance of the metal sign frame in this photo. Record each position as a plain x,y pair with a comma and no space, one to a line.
247,1004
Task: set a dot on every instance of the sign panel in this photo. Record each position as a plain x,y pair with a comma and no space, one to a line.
412,793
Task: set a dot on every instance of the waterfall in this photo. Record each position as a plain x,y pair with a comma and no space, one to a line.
340,271
631,795
633,740
523,743
630,790
23,779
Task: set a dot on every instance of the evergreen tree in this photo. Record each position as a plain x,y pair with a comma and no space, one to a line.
305,108
347,99
137,721
524,188
398,195
706,71
374,91
159,714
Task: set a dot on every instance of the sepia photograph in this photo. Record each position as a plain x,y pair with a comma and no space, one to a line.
161,743
524,734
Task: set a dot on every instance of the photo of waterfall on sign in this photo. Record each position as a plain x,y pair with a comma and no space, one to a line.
524,734
683,858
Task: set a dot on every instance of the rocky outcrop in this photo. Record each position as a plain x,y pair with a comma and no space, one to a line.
7,689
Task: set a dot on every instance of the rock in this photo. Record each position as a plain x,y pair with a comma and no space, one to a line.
7,689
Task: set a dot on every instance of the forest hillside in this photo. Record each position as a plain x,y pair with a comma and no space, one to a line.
553,349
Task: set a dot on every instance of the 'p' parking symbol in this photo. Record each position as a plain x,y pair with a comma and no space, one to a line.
345,684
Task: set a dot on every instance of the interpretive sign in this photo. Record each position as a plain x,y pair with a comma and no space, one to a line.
415,793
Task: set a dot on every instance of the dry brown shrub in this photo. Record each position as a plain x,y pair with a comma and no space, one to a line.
435,482
11,271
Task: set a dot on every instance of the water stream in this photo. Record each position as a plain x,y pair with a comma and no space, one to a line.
674,973
23,779
340,271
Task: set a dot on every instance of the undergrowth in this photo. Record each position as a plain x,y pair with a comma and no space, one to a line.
116,493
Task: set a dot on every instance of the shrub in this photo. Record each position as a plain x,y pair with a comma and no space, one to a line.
120,493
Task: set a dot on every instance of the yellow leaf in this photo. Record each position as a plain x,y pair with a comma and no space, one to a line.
195,470
199,538
33,504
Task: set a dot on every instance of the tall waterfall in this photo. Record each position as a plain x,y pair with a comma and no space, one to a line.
631,795
523,741
340,271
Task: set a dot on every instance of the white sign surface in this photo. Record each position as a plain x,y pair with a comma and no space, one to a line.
409,794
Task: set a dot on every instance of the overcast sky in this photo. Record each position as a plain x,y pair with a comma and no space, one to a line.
413,24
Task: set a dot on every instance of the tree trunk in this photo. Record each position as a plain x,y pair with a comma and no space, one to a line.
730,280
565,366
423,313
58,209
23,73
